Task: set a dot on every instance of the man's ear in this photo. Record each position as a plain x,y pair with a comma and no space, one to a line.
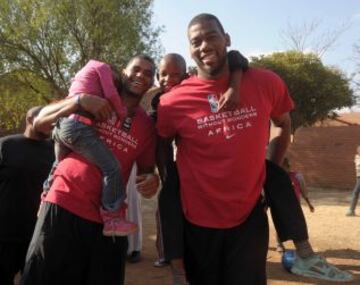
227,39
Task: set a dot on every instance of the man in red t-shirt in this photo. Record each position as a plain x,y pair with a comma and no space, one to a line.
68,246
221,159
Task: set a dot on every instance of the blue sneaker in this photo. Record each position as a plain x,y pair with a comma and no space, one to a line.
317,267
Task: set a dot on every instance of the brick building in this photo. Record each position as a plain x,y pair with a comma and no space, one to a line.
325,152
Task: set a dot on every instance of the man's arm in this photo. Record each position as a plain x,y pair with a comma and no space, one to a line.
99,107
277,153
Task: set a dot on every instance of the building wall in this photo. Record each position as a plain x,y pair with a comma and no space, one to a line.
325,155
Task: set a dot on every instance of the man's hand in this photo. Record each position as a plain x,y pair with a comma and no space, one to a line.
147,184
97,106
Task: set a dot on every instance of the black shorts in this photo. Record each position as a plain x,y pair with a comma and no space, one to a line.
285,207
228,256
171,215
66,249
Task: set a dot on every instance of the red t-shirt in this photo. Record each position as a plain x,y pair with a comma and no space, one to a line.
77,184
221,156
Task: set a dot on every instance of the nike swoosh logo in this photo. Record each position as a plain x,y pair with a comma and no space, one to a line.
229,136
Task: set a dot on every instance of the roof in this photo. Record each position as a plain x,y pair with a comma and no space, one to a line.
344,119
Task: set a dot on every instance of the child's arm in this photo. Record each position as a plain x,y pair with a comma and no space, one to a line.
311,207
237,65
304,191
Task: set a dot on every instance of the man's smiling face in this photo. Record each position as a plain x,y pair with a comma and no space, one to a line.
138,76
208,45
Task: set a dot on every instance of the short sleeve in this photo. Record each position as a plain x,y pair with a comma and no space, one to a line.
165,120
281,100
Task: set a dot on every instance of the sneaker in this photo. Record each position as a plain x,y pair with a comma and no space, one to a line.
350,213
161,262
135,256
116,225
317,267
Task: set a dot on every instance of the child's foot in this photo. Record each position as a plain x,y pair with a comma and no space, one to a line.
350,213
116,225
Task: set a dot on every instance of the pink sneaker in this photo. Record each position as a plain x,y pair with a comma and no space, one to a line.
116,225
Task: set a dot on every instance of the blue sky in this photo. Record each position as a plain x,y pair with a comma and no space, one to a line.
255,26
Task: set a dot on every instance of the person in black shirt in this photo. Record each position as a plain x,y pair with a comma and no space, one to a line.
25,162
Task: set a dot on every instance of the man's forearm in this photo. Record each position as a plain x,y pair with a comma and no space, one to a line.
99,107
47,117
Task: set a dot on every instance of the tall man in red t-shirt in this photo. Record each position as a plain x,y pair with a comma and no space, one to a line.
68,246
221,159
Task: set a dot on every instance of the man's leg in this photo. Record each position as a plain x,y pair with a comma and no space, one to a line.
108,260
245,249
203,248
228,256
12,256
60,249
290,223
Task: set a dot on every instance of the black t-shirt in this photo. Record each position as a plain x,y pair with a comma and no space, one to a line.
24,165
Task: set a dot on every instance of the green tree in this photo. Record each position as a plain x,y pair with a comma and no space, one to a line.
52,39
16,98
316,89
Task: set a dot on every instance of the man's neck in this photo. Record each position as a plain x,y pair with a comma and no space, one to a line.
223,72
131,102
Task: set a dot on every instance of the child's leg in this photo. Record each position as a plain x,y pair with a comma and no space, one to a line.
84,140
60,150
172,224
171,216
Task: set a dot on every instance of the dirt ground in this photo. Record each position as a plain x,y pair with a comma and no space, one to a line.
333,235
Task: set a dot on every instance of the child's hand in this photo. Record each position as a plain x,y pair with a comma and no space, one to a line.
229,101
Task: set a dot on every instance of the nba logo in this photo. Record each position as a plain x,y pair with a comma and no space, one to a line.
213,102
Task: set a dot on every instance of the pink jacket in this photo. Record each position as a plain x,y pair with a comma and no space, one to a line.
96,78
